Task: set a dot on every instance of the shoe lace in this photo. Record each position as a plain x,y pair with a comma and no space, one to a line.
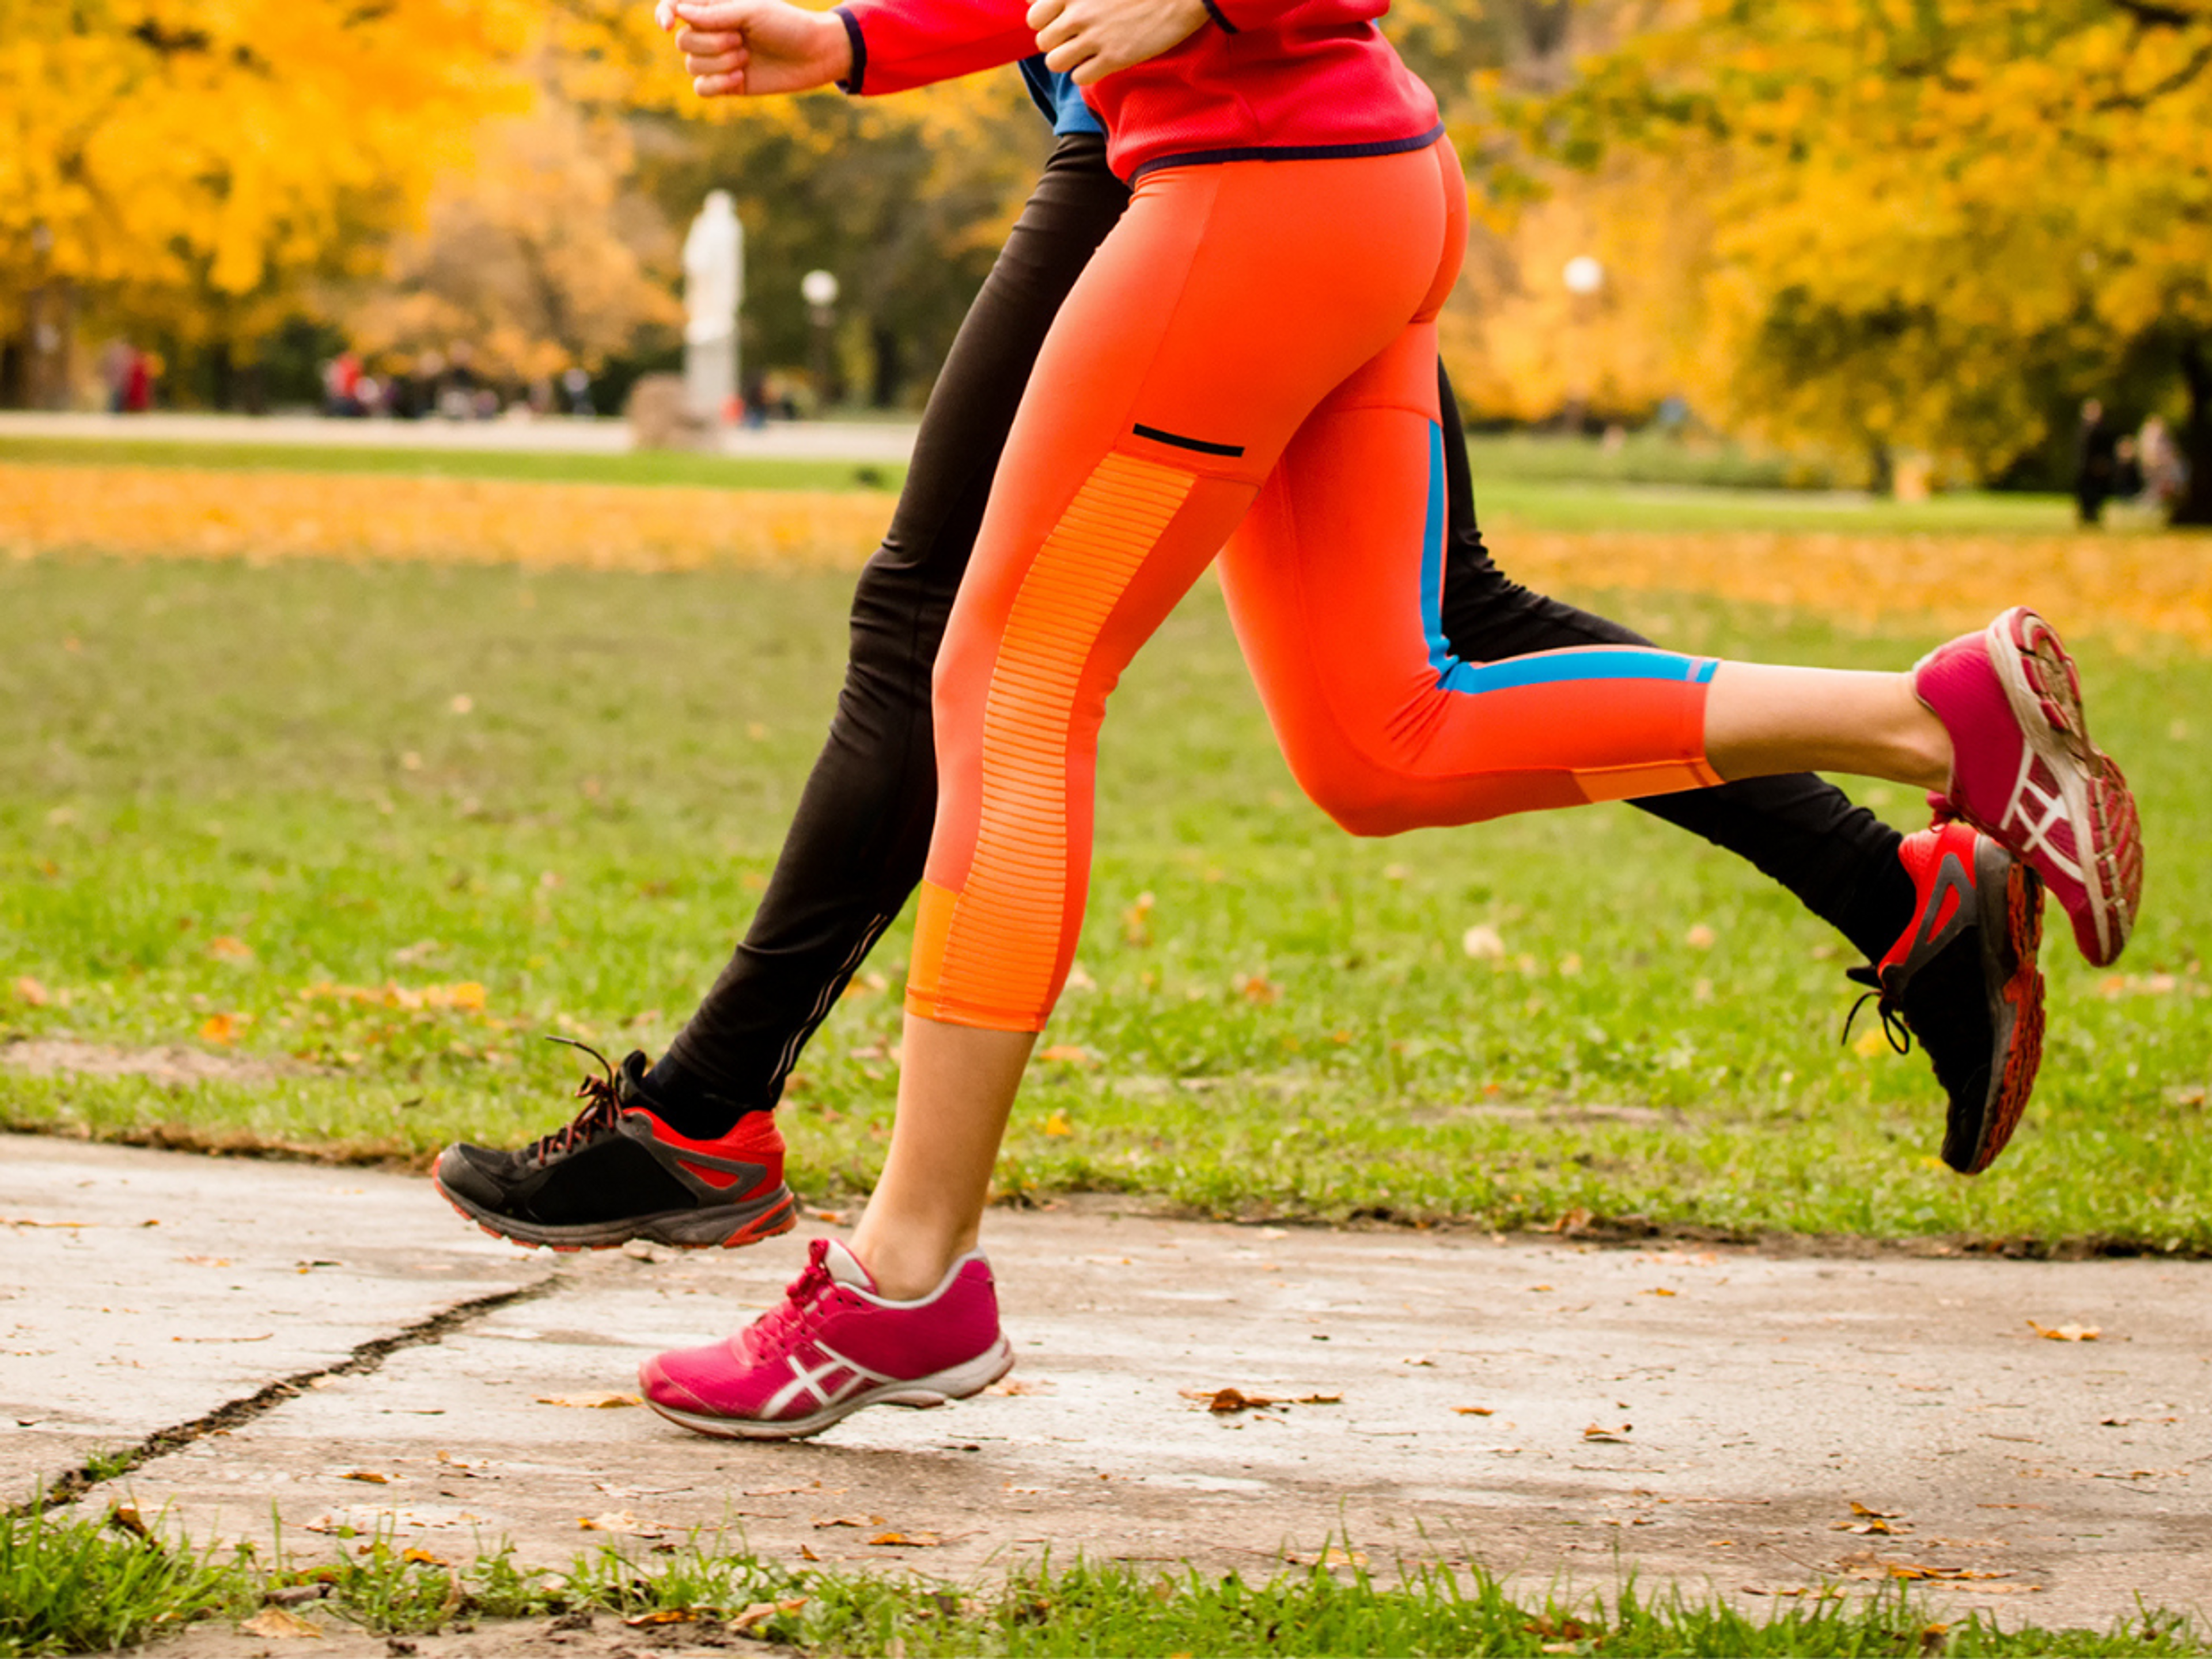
789,1318
602,1109
1886,1004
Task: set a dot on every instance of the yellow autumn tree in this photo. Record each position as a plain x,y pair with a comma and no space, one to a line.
538,254
1523,343
191,162
1936,222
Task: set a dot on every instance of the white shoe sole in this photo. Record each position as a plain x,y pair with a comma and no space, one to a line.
2043,691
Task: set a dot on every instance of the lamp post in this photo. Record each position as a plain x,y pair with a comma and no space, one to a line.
820,290
1584,277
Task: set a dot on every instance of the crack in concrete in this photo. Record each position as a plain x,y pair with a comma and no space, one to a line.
365,1357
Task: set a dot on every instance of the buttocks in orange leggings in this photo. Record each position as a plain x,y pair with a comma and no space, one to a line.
1253,350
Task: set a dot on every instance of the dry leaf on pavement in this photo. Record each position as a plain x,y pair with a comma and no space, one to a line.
1224,1402
274,1621
2066,1332
761,1611
595,1402
1476,1411
1598,1432
906,1540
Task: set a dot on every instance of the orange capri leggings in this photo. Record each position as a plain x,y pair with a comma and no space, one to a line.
1249,359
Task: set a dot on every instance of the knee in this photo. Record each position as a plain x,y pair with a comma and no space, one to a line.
1357,803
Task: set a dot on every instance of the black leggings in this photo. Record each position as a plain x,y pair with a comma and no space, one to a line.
856,847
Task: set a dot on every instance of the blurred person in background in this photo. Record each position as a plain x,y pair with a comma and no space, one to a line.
2096,464
2165,468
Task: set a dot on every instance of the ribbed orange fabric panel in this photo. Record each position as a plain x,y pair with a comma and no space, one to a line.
1001,948
1661,778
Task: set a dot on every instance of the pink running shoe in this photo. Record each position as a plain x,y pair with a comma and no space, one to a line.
832,1346
2026,773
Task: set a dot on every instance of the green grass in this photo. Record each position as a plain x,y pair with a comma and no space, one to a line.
203,761
1519,481
72,1586
80,1587
651,467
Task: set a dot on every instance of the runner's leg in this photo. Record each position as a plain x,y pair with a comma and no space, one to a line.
1839,860
856,845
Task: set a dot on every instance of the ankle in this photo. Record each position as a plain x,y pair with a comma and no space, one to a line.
1924,755
905,1266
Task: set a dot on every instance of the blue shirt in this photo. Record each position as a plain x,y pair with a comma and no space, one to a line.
1059,99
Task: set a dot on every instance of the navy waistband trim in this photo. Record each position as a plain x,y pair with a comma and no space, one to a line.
1208,158
1180,442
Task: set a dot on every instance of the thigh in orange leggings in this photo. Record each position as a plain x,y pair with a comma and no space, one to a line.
1237,312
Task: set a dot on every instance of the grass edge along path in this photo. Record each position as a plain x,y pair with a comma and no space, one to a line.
82,1585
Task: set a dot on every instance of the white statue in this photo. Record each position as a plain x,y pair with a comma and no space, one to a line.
713,289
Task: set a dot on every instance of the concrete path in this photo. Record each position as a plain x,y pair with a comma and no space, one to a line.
882,442
338,1348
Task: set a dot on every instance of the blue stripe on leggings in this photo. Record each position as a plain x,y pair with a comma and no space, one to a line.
1546,668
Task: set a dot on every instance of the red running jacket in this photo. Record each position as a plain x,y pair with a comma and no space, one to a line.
1282,80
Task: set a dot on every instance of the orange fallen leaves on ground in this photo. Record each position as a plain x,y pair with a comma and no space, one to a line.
466,997
187,513
2066,1332
597,1403
2126,585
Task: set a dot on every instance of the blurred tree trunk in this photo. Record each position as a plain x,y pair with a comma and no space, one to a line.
889,367
15,376
2196,506
49,334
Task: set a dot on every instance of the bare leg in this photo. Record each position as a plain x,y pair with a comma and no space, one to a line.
1761,721
957,1085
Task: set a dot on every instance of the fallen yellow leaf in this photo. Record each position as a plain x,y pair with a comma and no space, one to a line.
276,1622
2066,1332
614,1521
592,1402
761,1611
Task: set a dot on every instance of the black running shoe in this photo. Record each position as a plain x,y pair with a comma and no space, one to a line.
1962,978
617,1172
